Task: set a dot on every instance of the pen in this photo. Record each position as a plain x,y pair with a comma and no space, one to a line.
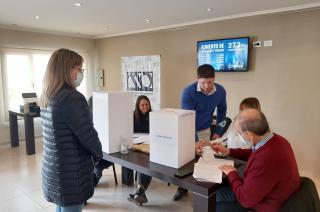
219,141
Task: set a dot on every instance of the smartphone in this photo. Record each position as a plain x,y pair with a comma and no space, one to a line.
183,173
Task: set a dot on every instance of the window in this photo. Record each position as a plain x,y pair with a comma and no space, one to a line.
23,71
24,74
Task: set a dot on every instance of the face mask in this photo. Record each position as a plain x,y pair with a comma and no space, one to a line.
79,79
244,141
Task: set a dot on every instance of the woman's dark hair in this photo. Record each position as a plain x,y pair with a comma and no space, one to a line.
205,71
137,112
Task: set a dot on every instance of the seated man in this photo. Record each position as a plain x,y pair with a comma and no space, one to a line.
271,173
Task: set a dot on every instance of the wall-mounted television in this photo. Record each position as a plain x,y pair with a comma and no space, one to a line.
225,55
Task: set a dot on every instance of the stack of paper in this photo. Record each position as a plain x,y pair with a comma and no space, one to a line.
141,142
206,169
142,138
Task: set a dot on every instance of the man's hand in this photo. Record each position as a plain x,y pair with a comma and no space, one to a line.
219,148
199,145
215,136
227,169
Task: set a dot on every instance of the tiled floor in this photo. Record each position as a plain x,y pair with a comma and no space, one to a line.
20,188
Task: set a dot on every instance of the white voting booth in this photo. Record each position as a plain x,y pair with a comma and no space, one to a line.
113,119
172,137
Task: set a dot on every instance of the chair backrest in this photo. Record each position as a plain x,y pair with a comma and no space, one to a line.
224,124
305,199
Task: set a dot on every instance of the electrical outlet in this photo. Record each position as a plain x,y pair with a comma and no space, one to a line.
100,78
256,44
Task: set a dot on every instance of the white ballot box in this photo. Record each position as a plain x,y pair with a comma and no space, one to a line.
113,119
172,137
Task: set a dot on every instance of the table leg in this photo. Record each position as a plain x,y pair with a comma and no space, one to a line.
29,132
14,134
202,203
127,176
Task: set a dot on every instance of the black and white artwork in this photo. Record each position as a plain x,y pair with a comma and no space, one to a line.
141,75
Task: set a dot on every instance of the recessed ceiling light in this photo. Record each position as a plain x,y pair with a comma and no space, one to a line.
148,20
209,9
37,17
77,4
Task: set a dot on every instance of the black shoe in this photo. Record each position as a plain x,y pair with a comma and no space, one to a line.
139,197
180,193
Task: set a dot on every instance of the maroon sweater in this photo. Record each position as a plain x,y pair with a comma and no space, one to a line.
270,177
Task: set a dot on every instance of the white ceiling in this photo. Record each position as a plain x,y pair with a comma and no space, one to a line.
104,18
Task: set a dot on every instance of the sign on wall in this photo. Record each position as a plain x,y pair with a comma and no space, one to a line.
141,76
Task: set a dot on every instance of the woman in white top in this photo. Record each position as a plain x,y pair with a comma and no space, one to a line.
231,138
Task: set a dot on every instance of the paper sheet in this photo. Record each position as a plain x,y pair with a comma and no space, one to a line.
207,173
136,135
141,139
206,169
207,153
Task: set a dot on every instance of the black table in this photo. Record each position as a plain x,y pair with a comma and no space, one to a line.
204,197
28,126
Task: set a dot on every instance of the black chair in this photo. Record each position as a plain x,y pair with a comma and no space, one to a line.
225,125
305,199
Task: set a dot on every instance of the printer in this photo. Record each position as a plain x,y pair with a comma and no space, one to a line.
31,100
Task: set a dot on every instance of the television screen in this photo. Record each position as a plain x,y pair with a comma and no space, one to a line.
225,55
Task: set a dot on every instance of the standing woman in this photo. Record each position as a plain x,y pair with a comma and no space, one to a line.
70,142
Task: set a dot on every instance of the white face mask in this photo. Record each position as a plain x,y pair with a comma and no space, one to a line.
79,79
244,141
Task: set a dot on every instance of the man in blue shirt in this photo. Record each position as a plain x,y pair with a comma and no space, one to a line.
204,96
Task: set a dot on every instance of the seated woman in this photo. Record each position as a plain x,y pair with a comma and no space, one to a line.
233,140
141,125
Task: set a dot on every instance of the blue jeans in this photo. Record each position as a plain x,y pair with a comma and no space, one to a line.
75,208
144,180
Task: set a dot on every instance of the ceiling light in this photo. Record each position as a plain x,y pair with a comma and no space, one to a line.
148,20
37,17
209,9
77,4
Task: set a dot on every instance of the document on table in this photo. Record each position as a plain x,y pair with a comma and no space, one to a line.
136,135
206,169
142,138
